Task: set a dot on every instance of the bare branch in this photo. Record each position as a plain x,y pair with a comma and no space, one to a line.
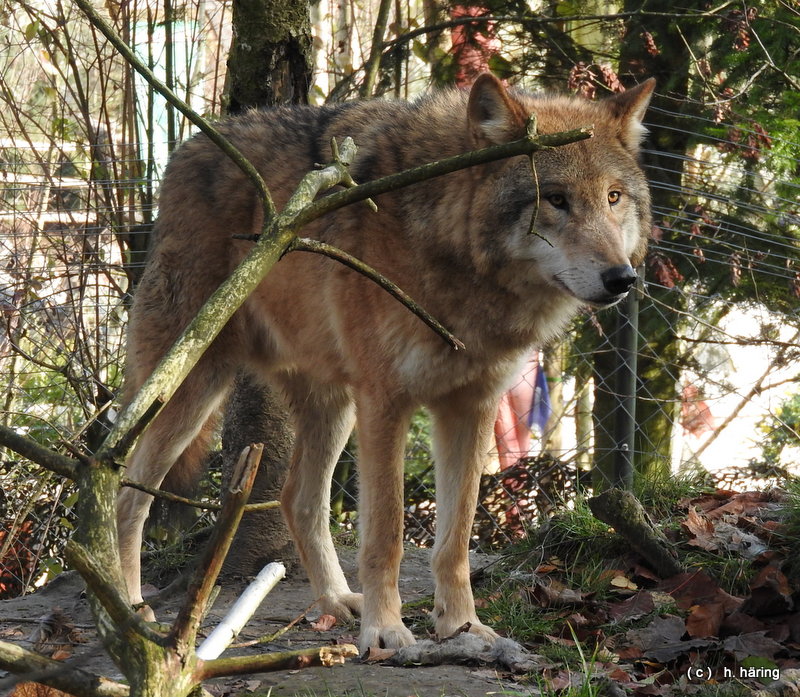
127,53
416,175
376,49
757,388
31,666
278,234
284,660
194,503
34,452
302,244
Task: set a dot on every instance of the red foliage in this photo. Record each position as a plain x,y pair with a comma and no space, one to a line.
696,416
19,561
722,109
737,23
664,270
735,261
650,44
585,79
473,44
748,143
794,285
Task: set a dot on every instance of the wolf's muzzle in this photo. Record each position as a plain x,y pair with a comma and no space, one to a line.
618,280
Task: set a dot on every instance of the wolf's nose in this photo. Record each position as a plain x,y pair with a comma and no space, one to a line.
618,279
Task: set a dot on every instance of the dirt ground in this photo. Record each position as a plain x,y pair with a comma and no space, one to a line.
19,618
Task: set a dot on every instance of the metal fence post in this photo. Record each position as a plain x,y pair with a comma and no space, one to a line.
627,345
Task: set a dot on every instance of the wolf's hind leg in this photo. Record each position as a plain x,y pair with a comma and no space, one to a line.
323,418
462,429
173,431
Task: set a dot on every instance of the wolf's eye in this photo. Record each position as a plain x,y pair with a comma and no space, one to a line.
614,197
557,200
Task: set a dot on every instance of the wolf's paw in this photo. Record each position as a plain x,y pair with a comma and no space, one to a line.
390,636
343,606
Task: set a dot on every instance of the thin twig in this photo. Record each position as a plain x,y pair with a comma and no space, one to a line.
531,130
302,244
195,503
269,638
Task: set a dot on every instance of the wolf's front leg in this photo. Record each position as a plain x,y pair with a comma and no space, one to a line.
382,428
323,418
462,429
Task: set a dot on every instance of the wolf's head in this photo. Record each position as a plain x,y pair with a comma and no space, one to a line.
589,200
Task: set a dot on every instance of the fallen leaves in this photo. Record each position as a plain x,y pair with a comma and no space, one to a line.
667,636
752,644
711,626
662,639
324,624
552,593
632,608
54,636
770,594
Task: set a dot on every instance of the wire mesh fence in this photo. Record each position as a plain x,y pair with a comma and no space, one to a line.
699,373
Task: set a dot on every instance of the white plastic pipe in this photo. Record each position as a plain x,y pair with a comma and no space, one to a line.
243,609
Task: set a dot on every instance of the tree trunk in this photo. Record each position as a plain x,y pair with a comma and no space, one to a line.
270,60
255,414
269,63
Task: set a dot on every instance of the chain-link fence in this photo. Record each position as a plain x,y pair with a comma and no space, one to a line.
697,371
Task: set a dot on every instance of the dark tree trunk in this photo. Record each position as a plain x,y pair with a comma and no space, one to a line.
256,414
270,60
269,63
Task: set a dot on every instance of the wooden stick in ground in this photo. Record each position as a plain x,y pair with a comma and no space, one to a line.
194,608
622,510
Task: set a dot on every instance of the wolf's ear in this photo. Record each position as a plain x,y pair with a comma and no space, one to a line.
629,107
493,116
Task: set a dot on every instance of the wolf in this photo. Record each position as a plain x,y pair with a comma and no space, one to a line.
343,352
